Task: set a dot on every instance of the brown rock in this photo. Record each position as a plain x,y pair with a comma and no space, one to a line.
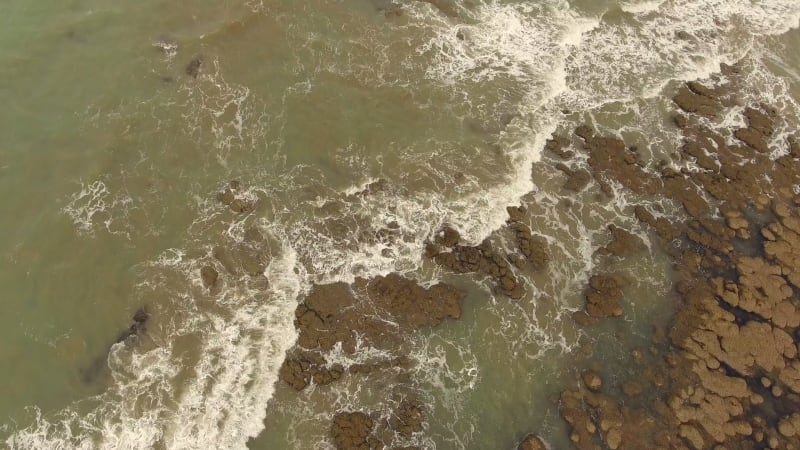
622,244
209,276
592,380
556,145
409,417
531,442
576,179
485,260
631,388
352,430
231,197
697,99
533,247
610,157
334,314
603,296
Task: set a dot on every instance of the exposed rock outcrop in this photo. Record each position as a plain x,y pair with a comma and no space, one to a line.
378,313
604,295
733,368
352,431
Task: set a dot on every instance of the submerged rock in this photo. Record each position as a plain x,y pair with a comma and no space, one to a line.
409,416
140,319
209,275
193,68
232,196
576,179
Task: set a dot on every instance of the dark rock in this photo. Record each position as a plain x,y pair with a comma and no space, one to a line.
680,121
697,99
578,180
533,247
516,213
448,237
556,145
409,417
333,314
352,431
662,226
481,259
209,276
622,244
140,319
231,196
193,68
609,157
603,296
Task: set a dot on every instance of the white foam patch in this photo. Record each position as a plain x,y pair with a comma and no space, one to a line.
86,203
95,207
223,111
641,7
220,405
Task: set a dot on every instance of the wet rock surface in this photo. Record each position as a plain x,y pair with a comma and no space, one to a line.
623,243
604,296
374,431
577,179
731,367
378,313
233,197
531,442
209,275
351,431
495,262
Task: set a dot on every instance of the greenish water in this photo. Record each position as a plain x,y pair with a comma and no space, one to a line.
112,155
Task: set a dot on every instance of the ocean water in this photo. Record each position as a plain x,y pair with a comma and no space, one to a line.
113,152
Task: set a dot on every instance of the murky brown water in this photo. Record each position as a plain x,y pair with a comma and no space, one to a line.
112,157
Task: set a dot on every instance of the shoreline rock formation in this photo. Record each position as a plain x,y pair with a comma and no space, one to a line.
732,372
726,374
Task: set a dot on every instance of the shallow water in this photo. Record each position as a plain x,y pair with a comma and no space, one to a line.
112,156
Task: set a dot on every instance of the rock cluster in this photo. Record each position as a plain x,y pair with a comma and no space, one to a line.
733,371
486,260
232,197
362,431
531,442
377,313
604,295
352,431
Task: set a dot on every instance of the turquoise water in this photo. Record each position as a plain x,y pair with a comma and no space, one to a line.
112,156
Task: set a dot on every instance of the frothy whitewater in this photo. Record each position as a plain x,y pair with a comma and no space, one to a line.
205,372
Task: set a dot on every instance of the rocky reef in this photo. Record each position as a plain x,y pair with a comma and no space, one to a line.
729,376
378,313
